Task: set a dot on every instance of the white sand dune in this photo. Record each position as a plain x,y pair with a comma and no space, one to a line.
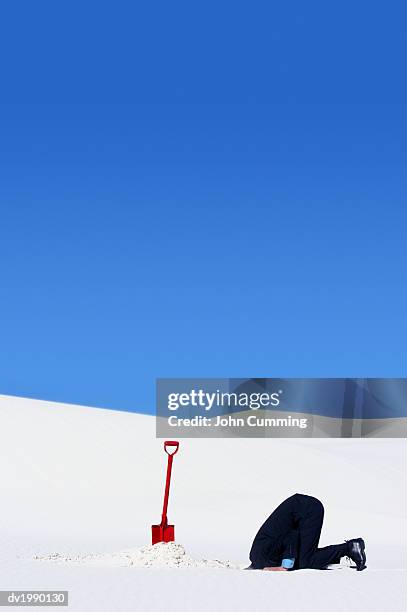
81,487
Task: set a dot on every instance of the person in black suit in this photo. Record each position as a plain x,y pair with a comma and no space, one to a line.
288,539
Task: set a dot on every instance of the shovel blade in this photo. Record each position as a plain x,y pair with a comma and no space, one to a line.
162,534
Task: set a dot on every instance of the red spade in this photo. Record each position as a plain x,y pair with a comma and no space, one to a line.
165,532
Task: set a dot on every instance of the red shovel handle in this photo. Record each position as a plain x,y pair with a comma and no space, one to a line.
169,443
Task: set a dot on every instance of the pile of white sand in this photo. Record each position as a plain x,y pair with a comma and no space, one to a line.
169,555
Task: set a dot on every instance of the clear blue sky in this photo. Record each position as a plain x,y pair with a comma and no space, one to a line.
214,189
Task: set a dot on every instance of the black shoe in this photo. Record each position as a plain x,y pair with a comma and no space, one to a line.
356,552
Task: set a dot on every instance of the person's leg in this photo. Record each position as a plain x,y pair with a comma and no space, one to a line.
310,525
354,549
328,555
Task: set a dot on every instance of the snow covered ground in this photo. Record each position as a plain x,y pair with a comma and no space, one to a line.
81,485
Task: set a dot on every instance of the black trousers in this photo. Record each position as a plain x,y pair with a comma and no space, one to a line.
293,531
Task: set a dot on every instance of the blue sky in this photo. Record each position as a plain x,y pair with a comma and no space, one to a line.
212,190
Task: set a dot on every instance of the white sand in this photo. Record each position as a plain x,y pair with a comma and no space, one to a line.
75,481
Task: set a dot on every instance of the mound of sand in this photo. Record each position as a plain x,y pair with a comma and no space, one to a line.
169,555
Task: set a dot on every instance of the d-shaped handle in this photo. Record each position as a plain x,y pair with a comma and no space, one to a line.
171,443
